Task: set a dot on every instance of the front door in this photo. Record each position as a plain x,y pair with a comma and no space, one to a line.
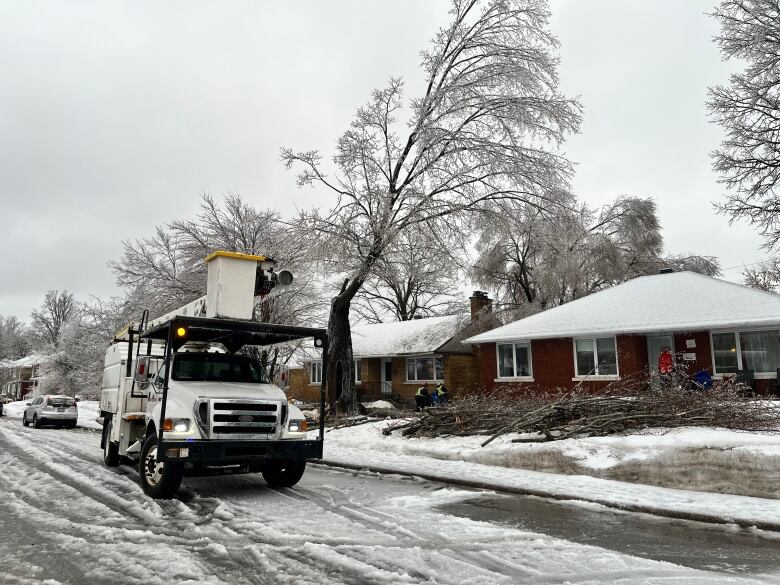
387,376
655,345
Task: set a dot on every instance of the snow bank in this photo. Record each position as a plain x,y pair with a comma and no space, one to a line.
379,404
89,411
705,459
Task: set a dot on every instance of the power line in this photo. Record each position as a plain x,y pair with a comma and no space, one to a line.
743,265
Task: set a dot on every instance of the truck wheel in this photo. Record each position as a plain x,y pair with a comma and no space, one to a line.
110,450
36,422
158,480
280,474
25,422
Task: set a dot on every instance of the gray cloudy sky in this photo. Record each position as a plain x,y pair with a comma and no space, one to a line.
116,116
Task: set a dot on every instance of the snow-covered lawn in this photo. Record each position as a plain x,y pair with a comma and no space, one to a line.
593,452
89,410
504,465
707,459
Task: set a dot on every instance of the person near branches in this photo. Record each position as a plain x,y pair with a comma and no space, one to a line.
441,392
422,397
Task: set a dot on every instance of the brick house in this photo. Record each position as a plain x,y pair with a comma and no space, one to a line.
708,324
394,359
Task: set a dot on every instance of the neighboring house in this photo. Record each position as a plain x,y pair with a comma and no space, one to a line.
394,359
20,377
707,323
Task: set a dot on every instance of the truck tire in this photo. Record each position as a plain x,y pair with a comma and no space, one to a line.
110,450
280,474
158,480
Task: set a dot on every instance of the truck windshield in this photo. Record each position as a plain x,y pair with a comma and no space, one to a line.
217,367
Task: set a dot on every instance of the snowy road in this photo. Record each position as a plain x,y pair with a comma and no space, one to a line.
65,518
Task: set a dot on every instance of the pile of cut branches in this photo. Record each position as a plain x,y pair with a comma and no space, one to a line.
578,413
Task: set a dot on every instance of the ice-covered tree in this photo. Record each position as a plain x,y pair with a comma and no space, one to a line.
167,270
534,260
486,127
15,338
75,367
764,275
748,109
416,277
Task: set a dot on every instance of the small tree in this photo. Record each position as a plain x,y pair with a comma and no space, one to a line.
748,160
484,129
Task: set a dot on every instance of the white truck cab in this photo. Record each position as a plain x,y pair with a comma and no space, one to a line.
178,398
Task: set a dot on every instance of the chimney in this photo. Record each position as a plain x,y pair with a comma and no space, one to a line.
481,304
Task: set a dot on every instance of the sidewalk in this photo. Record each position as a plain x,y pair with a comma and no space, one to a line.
709,507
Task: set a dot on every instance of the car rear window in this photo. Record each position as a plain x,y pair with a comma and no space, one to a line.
60,401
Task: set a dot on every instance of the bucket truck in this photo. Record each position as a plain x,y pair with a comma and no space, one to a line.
179,399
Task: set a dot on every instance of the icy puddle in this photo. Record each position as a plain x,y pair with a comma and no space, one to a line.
691,544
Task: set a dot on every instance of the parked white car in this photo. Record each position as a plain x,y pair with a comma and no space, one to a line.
51,410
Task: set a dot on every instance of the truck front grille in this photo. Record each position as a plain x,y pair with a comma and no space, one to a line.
245,419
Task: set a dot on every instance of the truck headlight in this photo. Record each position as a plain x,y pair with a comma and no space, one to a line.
177,425
298,426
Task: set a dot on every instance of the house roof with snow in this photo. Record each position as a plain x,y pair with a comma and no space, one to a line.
680,301
25,362
404,337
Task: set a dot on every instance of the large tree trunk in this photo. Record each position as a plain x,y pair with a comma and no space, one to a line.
340,381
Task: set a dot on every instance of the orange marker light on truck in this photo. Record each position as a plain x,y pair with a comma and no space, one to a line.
181,332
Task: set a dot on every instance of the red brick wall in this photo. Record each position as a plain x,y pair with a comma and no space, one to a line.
553,362
702,350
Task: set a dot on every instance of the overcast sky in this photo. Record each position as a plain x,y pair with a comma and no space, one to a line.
117,116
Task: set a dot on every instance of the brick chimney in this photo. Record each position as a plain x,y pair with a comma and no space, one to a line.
481,304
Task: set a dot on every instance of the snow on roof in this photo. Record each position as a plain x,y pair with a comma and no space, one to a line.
403,337
25,362
680,301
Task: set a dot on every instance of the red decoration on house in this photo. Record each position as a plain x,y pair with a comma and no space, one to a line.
665,362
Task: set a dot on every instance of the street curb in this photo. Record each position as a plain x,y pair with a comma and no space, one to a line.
664,513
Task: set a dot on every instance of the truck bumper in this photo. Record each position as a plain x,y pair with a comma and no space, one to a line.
240,451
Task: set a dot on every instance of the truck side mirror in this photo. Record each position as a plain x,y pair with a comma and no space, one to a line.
142,371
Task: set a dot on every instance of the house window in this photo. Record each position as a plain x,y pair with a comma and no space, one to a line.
725,356
424,369
746,350
356,370
514,360
316,373
596,357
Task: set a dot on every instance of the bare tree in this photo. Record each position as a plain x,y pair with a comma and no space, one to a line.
485,128
748,109
417,277
58,309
